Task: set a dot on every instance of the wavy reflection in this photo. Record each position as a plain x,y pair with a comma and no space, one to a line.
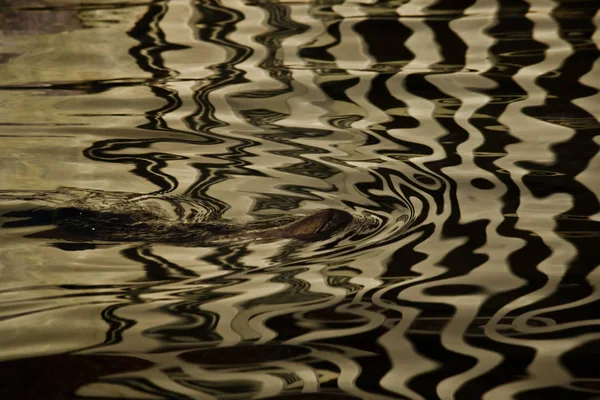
299,199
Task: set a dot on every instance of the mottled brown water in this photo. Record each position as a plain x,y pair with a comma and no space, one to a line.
319,199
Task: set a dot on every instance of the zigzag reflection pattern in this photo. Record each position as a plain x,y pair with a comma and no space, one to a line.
468,130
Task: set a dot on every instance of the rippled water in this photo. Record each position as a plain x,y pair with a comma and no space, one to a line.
325,199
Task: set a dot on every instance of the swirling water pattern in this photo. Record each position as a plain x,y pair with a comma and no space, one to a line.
462,135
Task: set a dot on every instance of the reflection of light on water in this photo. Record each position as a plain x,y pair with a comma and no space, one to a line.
262,370
443,130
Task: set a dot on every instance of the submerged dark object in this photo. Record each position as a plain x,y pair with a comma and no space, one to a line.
83,225
89,216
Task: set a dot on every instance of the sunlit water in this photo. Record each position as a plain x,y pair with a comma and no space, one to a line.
461,137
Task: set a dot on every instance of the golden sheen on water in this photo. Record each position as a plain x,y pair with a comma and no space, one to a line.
312,199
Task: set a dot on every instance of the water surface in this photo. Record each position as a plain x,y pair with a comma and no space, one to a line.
461,137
